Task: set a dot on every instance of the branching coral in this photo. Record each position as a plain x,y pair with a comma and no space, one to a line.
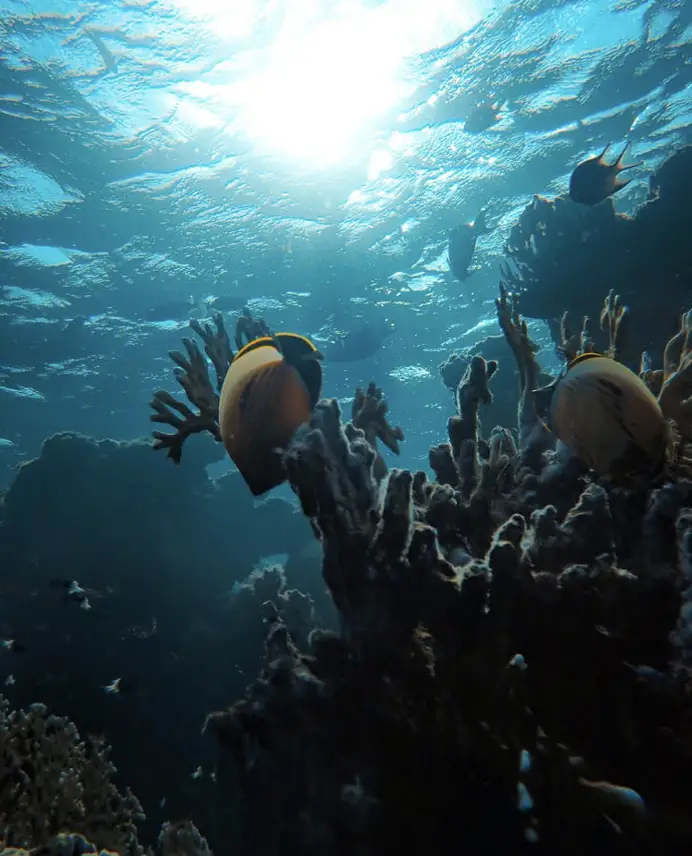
675,380
52,782
64,844
369,414
192,373
520,634
369,411
534,438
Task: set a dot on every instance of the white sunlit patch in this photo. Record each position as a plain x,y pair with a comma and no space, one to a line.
229,21
321,87
332,73
410,373
380,161
45,256
31,297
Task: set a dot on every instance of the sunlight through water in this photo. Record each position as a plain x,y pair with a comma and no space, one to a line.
331,73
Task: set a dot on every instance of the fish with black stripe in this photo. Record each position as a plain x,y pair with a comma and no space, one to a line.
270,389
607,416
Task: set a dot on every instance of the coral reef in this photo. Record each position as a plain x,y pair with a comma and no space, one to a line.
57,797
64,844
512,667
563,257
52,782
159,548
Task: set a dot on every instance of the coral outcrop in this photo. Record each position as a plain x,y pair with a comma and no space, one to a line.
562,257
51,782
58,798
512,667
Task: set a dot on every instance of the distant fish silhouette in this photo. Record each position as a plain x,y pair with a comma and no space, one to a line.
462,245
362,342
482,117
108,59
172,310
595,180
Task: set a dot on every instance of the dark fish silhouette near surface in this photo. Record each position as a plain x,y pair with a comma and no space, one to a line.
270,389
359,344
482,117
462,245
172,310
595,180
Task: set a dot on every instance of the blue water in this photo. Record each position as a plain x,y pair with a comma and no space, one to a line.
310,156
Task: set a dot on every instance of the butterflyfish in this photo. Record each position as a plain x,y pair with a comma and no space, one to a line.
608,417
270,389
595,180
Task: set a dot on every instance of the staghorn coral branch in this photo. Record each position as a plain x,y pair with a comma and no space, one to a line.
573,344
165,407
369,414
248,328
653,378
534,437
463,429
192,373
675,396
216,346
612,317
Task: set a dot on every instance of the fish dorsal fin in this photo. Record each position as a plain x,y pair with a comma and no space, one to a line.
299,352
261,342
295,347
582,358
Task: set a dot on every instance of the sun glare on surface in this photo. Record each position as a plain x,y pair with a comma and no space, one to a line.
331,73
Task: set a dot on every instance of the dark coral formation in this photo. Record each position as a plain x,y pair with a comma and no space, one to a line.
52,782
159,549
562,257
58,798
512,668
502,410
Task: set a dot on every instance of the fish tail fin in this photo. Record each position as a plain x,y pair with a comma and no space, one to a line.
619,183
618,162
604,152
